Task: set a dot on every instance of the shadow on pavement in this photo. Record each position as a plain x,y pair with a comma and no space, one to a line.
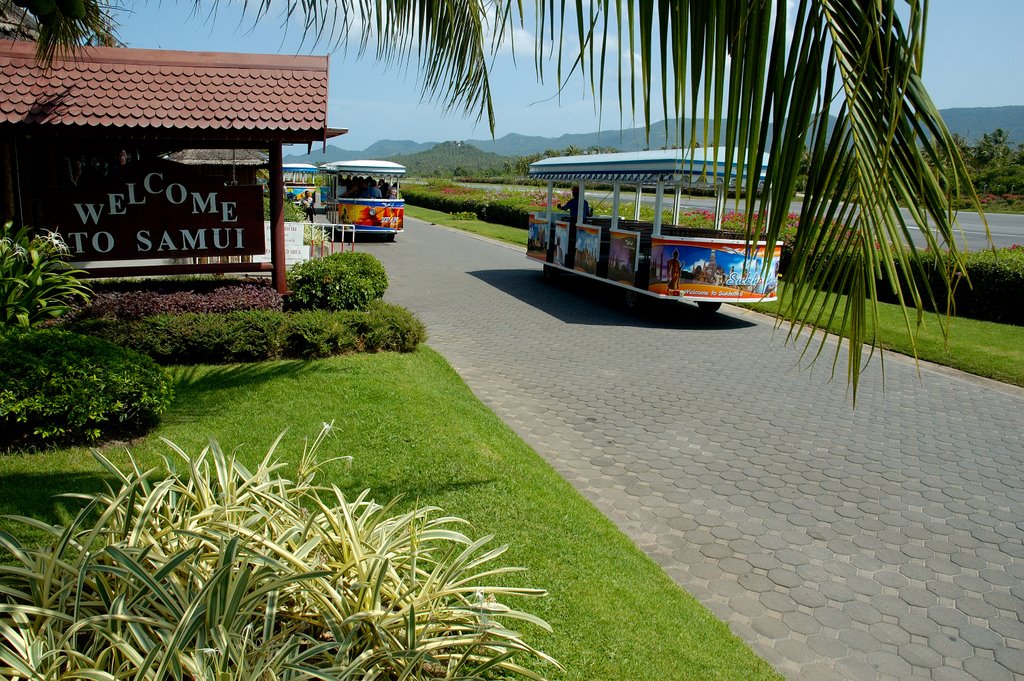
579,300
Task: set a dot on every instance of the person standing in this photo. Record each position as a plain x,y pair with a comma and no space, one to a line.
309,203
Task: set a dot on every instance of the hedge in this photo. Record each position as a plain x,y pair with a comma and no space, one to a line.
258,335
503,211
62,388
340,281
996,277
992,290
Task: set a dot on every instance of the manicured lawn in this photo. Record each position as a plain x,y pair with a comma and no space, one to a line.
510,235
981,348
415,429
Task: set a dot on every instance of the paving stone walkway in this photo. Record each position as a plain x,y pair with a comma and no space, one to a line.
876,542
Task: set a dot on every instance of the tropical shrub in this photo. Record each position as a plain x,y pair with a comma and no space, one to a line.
505,208
207,570
313,334
257,335
36,283
62,388
340,281
292,213
385,327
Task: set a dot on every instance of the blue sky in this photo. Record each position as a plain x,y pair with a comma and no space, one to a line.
974,55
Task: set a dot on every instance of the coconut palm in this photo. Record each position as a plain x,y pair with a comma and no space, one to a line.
841,77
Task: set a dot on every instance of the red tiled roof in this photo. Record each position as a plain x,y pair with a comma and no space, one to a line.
254,96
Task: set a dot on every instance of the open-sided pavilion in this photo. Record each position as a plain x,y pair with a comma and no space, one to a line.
62,123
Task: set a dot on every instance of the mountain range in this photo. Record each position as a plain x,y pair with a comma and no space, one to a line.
969,123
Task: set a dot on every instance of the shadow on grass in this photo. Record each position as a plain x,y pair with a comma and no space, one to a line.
411,492
580,300
36,495
204,378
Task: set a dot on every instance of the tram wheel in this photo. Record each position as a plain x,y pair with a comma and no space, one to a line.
707,307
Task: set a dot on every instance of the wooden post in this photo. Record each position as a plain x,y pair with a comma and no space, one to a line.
7,211
277,219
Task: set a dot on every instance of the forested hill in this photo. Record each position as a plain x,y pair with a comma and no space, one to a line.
451,158
974,122
969,123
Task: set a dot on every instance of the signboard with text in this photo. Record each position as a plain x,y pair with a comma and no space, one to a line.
719,270
159,211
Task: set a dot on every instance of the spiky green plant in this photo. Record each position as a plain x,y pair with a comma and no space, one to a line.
220,573
35,281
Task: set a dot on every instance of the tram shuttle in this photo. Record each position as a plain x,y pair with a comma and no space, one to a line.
360,214
707,267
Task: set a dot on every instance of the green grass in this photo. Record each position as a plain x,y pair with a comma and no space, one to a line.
510,235
981,348
415,429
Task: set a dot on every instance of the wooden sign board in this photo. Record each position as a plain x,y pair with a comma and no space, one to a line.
158,211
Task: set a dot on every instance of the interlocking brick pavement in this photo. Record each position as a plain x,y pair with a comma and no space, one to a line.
876,542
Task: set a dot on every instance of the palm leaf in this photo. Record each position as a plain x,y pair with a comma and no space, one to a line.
858,62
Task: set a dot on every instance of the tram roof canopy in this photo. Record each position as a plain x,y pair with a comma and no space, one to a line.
365,167
299,168
641,167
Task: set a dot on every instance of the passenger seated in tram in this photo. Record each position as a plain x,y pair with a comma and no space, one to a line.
356,186
572,205
370,190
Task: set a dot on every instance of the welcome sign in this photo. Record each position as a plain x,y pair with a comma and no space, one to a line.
160,212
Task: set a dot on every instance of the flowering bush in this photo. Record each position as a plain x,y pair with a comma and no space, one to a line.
137,304
512,207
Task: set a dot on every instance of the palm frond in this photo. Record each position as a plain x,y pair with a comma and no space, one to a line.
846,84
841,78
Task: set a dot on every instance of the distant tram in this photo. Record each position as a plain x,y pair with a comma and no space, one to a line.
299,178
364,214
